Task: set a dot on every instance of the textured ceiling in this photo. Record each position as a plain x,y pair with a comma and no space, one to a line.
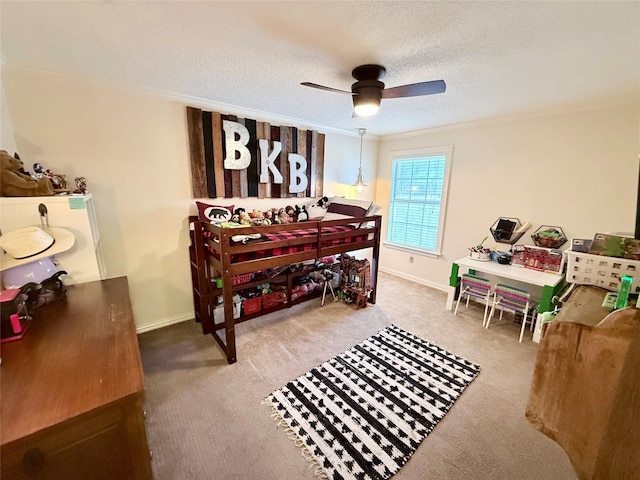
497,58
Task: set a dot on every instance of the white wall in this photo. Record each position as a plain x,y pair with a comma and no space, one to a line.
133,149
576,170
7,139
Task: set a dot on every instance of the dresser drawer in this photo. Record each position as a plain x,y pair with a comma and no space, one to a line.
101,445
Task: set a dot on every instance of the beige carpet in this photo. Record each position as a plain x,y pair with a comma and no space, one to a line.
205,421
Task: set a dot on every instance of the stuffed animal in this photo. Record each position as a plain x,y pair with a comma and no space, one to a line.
284,217
257,218
323,202
291,212
15,183
302,214
245,219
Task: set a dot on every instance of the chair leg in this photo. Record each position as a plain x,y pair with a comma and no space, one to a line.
524,323
486,308
493,307
455,312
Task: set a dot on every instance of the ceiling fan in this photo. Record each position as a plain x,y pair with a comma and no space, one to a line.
368,90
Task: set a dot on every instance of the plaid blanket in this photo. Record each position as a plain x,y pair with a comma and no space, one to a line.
291,234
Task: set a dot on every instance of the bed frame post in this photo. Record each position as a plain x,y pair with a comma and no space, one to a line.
227,295
374,260
199,274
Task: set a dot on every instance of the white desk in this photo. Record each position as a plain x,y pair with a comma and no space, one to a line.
551,283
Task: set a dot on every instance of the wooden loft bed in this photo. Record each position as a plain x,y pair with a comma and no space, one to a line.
213,253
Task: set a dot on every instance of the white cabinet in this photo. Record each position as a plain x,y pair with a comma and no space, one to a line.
83,262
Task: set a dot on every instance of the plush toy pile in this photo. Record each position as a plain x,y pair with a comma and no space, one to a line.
15,182
288,214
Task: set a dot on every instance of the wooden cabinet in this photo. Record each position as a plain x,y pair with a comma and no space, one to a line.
72,391
584,392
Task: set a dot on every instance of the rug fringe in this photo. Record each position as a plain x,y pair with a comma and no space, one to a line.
318,471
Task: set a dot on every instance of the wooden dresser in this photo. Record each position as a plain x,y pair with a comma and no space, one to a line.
585,391
72,391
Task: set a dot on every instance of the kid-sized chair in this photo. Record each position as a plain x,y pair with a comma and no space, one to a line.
476,287
511,298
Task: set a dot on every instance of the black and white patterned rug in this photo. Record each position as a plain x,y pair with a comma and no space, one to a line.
362,414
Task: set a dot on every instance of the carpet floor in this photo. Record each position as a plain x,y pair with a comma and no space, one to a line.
205,420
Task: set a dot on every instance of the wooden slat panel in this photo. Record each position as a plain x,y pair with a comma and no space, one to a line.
208,154
242,190
196,151
236,175
260,133
285,138
319,169
310,182
302,150
313,162
218,155
276,187
228,176
253,172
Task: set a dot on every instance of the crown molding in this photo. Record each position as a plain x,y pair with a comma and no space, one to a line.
192,101
628,99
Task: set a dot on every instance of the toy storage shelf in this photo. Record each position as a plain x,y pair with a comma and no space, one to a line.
83,262
601,271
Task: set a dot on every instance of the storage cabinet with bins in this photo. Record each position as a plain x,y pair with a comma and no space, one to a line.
83,262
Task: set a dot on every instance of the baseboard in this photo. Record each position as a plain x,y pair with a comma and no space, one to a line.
165,323
189,316
422,281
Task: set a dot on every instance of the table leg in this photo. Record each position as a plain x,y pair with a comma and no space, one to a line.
454,283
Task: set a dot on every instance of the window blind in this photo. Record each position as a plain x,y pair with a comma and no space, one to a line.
415,205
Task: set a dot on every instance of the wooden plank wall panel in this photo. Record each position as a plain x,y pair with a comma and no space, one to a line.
196,152
253,172
236,175
285,139
207,150
302,150
261,131
208,153
243,191
228,176
276,187
313,161
218,157
319,170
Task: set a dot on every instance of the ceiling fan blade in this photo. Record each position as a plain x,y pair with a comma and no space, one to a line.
415,89
322,87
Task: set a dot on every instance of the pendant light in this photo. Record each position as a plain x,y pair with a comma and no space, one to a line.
359,185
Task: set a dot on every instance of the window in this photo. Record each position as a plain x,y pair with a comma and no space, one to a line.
419,180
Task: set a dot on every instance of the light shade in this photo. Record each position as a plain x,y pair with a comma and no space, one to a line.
359,185
365,106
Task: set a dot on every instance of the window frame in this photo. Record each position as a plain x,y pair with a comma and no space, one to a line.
414,154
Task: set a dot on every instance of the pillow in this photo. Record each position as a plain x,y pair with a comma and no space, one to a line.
373,210
316,212
347,208
214,213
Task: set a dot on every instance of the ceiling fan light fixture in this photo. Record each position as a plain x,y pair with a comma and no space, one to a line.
365,107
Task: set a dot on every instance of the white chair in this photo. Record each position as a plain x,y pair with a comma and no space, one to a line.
476,287
511,298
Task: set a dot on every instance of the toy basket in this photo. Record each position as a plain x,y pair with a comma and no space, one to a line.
251,305
601,271
272,299
240,279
